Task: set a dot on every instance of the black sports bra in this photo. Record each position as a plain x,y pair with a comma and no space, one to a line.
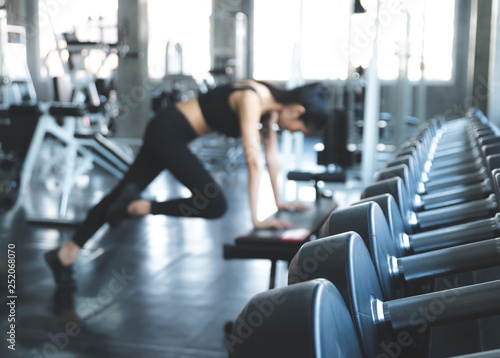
218,114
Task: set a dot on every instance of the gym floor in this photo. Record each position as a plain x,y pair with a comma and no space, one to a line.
152,287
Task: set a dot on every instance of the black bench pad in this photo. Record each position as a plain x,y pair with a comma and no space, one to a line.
281,244
331,177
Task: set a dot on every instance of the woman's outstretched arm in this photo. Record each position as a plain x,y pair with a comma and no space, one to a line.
271,149
249,109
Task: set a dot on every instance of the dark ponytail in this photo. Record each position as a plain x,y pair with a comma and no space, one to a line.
314,98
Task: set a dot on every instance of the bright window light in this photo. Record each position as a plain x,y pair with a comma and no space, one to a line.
328,47
185,22
91,20
276,31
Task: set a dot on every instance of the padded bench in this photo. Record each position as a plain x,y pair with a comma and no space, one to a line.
277,245
324,176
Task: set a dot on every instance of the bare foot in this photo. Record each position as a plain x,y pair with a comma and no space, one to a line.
69,253
139,207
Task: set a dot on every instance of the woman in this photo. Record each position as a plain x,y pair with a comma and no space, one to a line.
235,110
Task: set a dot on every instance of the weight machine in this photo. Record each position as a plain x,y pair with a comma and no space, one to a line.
25,126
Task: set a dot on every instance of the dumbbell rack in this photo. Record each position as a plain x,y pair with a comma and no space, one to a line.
297,317
480,334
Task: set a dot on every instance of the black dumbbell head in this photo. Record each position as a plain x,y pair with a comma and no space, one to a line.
308,320
394,220
350,269
369,222
394,187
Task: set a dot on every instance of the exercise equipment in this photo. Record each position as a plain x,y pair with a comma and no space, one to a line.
392,247
325,176
405,167
76,156
487,354
432,239
25,127
267,329
437,198
386,324
10,179
394,271
446,236
322,327
453,166
89,75
25,124
15,139
449,163
16,85
425,220
282,245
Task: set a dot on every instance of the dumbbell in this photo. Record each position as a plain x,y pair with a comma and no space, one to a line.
10,179
394,271
455,178
431,138
346,355
438,198
442,172
437,163
306,320
385,326
431,157
447,166
433,239
493,162
469,190
459,144
447,197
487,354
424,220
455,138
454,165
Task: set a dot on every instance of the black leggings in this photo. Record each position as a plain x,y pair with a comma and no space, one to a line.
164,147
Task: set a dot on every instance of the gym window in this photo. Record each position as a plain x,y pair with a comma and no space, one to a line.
184,22
91,20
324,38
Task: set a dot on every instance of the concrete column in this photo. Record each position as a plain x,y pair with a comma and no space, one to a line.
15,11
464,44
33,47
404,90
453,99
371,115
248,9
227,41
421,90
133,84
482,54
494,73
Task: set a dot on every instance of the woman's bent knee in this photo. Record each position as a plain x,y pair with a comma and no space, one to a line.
217,207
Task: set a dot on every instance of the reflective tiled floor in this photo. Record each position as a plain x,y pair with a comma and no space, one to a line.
152,287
